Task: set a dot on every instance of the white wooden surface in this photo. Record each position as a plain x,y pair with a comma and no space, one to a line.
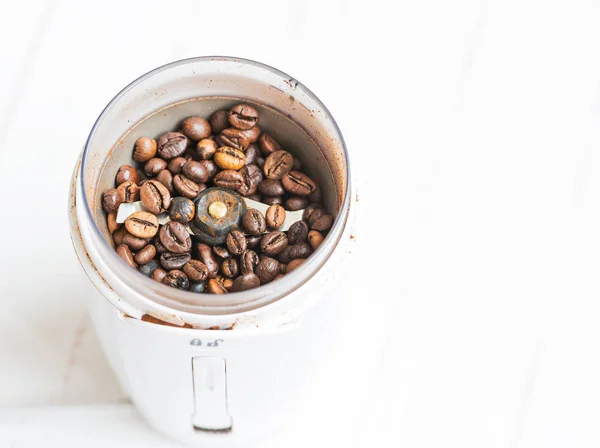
479,120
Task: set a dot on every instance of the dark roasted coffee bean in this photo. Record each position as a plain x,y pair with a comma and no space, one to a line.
254,241
229,158
229,267
309,210
300,250
271,187
219,285
127,173
205,254
295,203
142,224
243,116
254,222
206,149
175,166
195,128
267,269
254,197
252,154
195,171
182,210
245,282
211,168
197,287
275,216
170,261
298,184
230,179
144,149
248,261
222,252
284,255
160,248
119,236
219,121
316,195
111,222
324,222
171,145
278,164
273,243
134,242
176,279
315,238
155,197
145,255
260,162
236,242
166,178
158,274
297,164
148,268
252,134
268,144
316,214
252,175
175,237
154,166
128,192
125,253
111,200
298,232
282,268
271,200
294,264
187,187
196,270
234,138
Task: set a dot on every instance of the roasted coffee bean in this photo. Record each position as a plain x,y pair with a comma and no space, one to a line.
243,116
252,134
273,243
176,279
315,238
219,285
166,178
219,121
295,203
316,195
186,187
134,242
230,179
196,270
260,162
195,128
195,171
148,268
197,287
298,232
119,236
154,166
267,269
158,274
175,166
142,176
252,175
245,282
309,210
254,241
144,149
222,252
175,237
111,222
316,214
278,164
298,184
294,264
300,250
229,267
211,168
275,216
252,154
155,197
160,248
236,242
171,145
128,192
254,197
297,164
282,268
229,158
111,200
125,253
248,262
145,255
284,255
271,187
268,144
206,149
171,261
254,222
142,224
127,173
182,210
205,254
324,222
272,200
234,138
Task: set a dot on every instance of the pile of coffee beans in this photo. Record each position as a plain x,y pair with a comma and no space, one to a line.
229,151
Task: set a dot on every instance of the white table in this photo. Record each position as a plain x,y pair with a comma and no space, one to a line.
479,119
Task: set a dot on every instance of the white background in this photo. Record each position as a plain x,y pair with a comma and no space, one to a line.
475,129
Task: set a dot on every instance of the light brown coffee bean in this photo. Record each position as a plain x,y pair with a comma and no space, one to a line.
144,149
195,128
278,164
142,224
243,116
125,253
196,270
155,197
145,255
206,149
127,173
229,158
128,192
186,187
294,264
268,144
315,238
111,222
275,216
